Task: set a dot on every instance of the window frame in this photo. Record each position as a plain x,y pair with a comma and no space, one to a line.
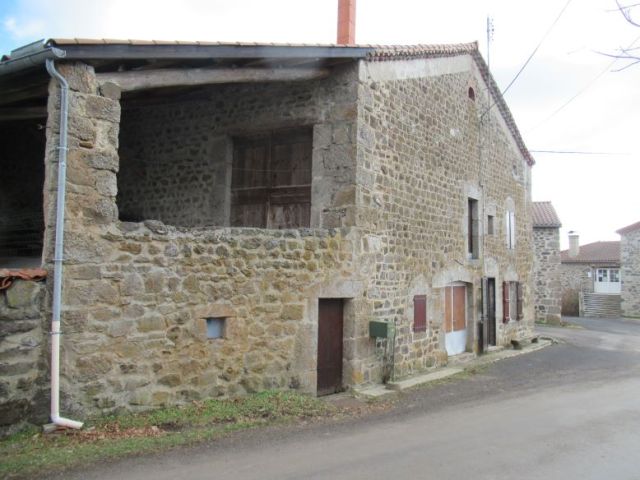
473,229
510,229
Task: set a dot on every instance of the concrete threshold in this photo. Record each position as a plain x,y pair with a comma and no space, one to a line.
455,366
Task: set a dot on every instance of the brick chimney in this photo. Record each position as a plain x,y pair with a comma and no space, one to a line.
346,22
574,244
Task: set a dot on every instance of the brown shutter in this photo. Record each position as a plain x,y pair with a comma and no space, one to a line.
420,313
520,297
505,302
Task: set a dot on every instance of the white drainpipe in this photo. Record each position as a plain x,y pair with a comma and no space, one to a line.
58,253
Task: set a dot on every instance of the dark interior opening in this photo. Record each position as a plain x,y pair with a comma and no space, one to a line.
22,146
190,165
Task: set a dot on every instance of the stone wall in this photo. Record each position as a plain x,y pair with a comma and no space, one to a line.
142,312
136,295
395,161
176,155
424,148
23,343
574,278
630,273
547,286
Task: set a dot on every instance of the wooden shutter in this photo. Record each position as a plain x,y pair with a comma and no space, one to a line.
520,300
420,313
512,229
505,302
507,228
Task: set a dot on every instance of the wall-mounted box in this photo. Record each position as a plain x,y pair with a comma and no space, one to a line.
380,329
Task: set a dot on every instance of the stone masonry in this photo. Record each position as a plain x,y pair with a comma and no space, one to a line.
547,285
419,161
574,278
23,352
399,148
630,272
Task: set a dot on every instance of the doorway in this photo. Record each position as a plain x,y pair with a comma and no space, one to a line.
455,318
491,311
330,345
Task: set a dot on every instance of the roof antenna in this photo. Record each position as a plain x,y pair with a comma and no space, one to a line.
490,31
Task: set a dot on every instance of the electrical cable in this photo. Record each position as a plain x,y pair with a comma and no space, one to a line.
595,79
537,47
575,152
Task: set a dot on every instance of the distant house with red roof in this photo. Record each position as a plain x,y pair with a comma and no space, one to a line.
590,278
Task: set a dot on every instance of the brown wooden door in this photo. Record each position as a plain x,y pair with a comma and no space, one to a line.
454,309
491,311
271,180
330,323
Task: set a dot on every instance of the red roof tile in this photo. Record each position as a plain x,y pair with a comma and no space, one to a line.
544,215
596,252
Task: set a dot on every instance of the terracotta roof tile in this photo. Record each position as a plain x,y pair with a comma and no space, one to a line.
629,228
544,215
597,252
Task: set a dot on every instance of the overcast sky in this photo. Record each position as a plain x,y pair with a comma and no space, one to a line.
593,194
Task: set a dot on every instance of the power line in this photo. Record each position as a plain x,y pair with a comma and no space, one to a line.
537,46
589,85
575,152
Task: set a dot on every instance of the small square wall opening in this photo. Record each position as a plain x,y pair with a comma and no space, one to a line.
216,327
490,225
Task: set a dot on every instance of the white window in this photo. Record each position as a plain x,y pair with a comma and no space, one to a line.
608,275
510,229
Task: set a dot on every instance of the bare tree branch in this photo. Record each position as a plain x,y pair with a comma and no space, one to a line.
629,53
626,12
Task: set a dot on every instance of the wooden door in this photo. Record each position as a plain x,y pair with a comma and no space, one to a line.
271,180
455,321
454,309
290,171
330,323
491,311
249,182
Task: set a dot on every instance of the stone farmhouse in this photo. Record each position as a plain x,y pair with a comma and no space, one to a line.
241,217
630,270
546,262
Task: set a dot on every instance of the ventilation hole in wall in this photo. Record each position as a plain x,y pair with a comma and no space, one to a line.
472,93
216,327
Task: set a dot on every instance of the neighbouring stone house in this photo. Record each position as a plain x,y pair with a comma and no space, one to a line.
237,215
630,269
547,293
590,278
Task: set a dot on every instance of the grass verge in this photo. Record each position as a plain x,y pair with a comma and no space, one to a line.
29,452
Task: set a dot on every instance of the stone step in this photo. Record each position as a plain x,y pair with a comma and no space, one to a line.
601,305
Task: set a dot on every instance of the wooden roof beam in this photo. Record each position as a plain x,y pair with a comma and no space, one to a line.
161,78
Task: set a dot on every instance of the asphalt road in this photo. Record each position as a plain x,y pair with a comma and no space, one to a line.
569,411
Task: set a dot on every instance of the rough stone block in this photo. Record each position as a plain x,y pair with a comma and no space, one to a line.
23,293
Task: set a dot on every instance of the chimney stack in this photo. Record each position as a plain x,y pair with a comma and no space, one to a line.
346,22
574,244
